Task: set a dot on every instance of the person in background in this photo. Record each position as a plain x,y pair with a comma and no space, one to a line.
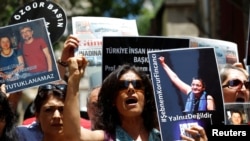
7,119
35,51
236,117
11,61
50,118
235,83
198,99
48,105
29,117
92,104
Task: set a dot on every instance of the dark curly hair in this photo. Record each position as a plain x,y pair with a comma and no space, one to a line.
8,115
108,116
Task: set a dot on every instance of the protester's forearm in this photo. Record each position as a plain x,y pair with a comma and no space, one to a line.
71,115
62,71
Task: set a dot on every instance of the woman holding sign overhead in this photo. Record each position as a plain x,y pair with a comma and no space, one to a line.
125,107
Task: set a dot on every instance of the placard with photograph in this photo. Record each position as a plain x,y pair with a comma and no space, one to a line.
27,57
187,90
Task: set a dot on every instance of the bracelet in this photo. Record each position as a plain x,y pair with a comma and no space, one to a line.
60,62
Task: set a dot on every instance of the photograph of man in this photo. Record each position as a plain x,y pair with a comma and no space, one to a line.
35,51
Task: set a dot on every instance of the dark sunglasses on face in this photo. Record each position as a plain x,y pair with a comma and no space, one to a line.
124,84
236,84
61,87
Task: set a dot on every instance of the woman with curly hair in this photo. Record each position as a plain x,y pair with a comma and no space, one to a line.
126,106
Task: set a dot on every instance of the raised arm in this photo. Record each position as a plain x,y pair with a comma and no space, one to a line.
182,86
71,113
69,47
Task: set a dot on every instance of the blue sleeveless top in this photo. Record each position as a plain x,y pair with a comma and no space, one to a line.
191,103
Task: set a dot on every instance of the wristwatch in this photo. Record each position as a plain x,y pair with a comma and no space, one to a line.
60,62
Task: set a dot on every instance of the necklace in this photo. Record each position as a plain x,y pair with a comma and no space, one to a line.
196,101
7,54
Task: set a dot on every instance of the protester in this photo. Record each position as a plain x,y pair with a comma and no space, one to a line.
127,101
48,122
235,83
49,108
48,105
29,117
7,119
92,104
198,99
125,104
35,51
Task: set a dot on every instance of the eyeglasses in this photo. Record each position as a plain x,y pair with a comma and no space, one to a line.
236,84
61,87
137,84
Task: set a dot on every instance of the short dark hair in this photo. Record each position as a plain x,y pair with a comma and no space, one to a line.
25,26
44,91
201,80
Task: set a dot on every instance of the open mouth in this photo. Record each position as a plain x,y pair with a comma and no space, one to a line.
131,101
240,99
57,125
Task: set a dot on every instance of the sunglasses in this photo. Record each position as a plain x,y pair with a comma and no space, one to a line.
61,87
137,84
236,84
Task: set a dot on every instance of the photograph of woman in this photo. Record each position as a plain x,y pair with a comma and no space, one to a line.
11,60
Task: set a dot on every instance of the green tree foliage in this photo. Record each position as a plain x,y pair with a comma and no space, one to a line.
129,9
7,7
125,9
